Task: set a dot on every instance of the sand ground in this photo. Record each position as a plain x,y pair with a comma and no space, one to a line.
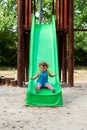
14,115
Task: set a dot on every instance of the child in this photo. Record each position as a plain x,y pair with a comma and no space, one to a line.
43,77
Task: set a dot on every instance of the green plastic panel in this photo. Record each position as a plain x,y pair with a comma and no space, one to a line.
43,47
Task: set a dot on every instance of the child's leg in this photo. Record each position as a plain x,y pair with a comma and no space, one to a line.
50,87
38,87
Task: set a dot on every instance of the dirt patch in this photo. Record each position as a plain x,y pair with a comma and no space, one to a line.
80,75
14,115
8,74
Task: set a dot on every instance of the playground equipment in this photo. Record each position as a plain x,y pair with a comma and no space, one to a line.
43,46
64,31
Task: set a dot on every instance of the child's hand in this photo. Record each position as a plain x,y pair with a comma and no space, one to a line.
34,77
31,78
55,74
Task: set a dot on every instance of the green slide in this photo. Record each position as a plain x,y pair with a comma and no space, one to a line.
43,47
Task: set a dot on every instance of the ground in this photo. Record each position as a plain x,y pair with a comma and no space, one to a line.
14,115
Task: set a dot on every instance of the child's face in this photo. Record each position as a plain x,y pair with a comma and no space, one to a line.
43,68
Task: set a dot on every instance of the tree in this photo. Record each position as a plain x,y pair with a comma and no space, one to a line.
80,14
46,11
8,32
80,38
8,29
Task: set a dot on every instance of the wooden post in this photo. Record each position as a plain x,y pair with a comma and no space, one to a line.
64,59
28,20
26,55
70,46
61,14
30,13
13,82
7,81
26,14
57,14
65,14
81,29
20,65
26,38
60,42
2,80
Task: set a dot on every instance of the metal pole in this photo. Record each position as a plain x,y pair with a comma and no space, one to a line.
40,11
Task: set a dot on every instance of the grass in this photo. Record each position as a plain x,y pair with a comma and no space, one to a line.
80,68
7,68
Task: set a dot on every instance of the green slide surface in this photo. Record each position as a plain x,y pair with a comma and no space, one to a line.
43,47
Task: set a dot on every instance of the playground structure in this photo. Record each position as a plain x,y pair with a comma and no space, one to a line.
65,39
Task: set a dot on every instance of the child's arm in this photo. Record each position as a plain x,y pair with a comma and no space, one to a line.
51,75
34,77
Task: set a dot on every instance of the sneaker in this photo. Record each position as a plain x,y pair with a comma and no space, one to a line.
53,90
36,89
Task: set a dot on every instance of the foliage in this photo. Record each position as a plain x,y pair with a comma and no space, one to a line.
8,29
8,48
80,38
8,68
8,32
7,14
81,67
46,10
80,13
